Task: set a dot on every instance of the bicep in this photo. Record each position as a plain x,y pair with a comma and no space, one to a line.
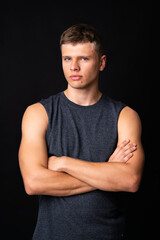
129,127
33,150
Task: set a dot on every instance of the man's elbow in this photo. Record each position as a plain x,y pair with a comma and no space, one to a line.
29,190
30,187
134,184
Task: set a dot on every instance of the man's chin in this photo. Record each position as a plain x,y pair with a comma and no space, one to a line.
78,85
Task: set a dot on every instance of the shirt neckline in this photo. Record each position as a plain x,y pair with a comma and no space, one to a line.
69,102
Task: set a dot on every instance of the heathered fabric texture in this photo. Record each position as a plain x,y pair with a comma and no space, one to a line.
88,133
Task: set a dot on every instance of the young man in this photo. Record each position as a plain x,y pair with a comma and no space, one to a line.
80,149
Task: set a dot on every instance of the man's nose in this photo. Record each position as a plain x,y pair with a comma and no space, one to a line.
74,66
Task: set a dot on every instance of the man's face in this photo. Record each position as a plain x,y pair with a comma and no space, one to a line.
81,64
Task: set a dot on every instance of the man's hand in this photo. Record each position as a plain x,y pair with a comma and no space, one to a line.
123,152
55,163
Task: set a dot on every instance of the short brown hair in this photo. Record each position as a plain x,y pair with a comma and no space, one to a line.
82,33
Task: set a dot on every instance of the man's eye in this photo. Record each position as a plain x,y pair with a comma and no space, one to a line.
84,59
67,59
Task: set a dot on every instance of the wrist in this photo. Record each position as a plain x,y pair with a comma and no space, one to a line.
57,163
63,163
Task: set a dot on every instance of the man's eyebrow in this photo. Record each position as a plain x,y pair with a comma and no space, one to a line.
85,56
81,56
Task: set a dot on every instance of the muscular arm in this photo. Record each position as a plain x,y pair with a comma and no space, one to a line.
114,175
33,160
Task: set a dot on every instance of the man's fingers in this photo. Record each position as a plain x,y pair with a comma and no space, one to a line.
127,157
130,145
124,143
123,152
120,147
126,152
125,147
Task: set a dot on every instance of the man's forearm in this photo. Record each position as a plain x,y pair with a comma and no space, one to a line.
105,176
101,175
53,183
118,174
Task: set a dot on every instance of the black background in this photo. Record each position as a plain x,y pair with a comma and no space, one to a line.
31,70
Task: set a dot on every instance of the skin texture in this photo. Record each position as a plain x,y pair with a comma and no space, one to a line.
63,176
82,60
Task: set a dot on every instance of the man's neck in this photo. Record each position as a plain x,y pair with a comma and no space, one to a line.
83,97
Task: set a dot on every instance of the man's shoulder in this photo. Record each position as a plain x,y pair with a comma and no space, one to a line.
50,98
129,120
49,104
129,113
34,109
35,115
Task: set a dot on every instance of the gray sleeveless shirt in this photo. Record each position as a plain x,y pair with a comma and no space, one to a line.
88,133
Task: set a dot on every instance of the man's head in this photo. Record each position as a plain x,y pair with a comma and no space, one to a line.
82,56
83,33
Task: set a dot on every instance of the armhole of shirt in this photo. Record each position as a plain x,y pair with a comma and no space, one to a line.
46,104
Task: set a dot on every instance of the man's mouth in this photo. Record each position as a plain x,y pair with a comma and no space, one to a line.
76,77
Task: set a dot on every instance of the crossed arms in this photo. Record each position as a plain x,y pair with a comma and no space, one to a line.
65,176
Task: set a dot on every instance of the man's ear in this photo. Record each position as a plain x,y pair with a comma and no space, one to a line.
103,60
